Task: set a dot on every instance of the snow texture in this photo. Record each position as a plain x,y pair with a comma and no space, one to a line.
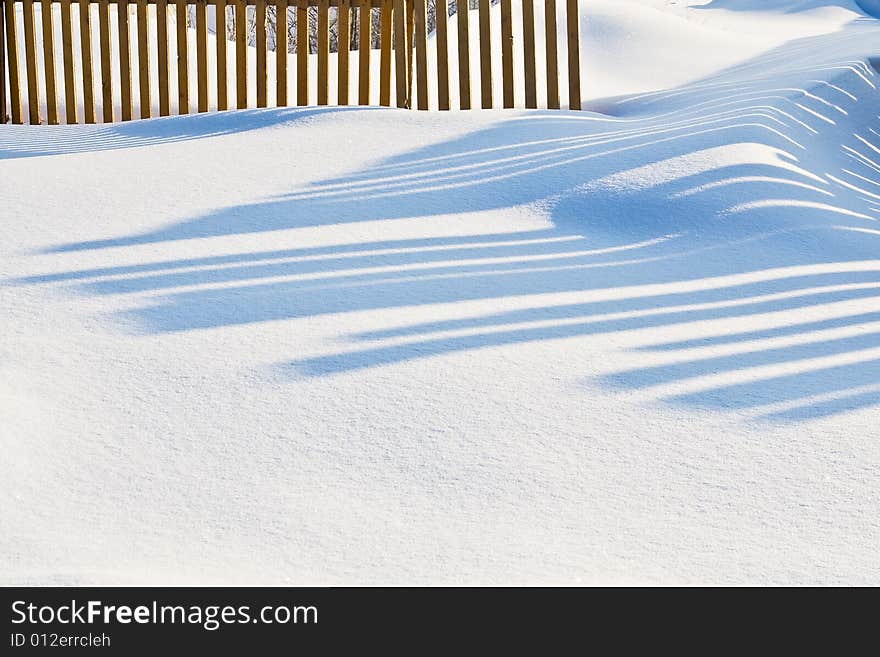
638,344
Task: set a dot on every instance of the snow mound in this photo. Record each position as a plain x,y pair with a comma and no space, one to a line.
369,345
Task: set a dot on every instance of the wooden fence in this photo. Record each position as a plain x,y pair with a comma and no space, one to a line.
403,45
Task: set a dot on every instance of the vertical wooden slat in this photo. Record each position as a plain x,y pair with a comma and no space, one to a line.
365,38
323,52
106,71
85,42
241,71
48,20
574,62
222,59
3,115
531,84
464,57
143,29
507,53
385,53
552,63
14,75
485,11
163,57
124,58
70,104
421,43
262,54
302,52
344,31
401,48
182,9
442,32
281,53
410,29
202,52
30,53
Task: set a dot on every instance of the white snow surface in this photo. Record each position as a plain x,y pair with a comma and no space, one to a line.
362,345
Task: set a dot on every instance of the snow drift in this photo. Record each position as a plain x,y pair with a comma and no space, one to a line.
366,345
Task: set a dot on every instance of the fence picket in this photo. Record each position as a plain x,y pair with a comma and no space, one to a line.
12,54
385,53
574,62
163,57
106,71
401,49
507,53
30,46
85,42
421,35
124,32
410,29
70,104
48,20
3,115
241,85
342,55
281,53
464,57
181,14
262,53
441,11
323,52
144,58
485,10
202,53
551,46
365,35
529,61
302,53
220,28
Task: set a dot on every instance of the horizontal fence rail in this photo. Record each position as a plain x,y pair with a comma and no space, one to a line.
71,61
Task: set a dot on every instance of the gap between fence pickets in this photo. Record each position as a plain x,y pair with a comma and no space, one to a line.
406,32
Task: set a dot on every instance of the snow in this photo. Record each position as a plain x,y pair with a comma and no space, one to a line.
363,345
